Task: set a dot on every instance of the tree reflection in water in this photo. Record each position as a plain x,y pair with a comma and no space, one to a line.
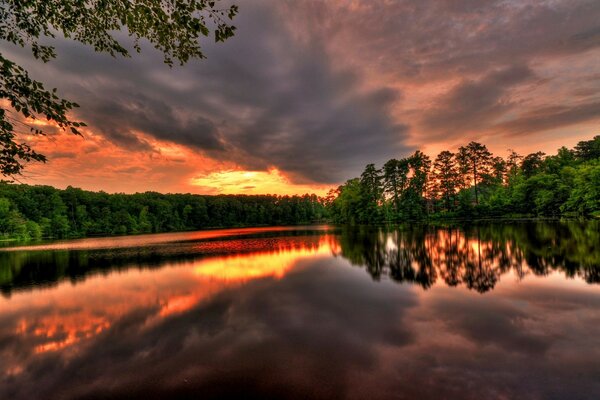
477,255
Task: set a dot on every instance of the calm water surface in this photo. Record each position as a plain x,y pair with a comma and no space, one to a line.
482,312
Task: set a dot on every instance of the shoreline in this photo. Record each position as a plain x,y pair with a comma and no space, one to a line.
430,221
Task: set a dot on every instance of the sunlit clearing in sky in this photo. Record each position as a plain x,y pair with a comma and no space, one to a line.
254,182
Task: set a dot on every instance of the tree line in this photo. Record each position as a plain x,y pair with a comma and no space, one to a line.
473,183
34,212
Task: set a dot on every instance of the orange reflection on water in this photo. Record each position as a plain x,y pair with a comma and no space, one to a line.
231,270
276,263
179,304
57,334
70,315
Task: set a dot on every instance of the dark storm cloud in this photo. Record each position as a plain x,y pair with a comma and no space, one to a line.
265,98
129,111
434,39
420,42
472,105
319,89
551,117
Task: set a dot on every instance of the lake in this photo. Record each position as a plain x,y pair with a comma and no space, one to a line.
489,311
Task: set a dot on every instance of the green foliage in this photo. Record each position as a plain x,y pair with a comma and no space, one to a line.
474,184
395,182
588,150
12,223
171,26
585,196
532,163
345,204
371,193
32,212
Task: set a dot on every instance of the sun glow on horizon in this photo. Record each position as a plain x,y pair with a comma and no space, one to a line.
272,181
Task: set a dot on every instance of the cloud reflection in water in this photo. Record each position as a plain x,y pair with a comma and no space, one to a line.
281,317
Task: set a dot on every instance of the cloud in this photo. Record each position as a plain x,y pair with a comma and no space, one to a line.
551,117
493,323
318,89
444,54
62,154
441,39
473,105
264,99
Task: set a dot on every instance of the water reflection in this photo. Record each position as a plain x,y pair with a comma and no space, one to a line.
48,264
475,256
66,319
270,314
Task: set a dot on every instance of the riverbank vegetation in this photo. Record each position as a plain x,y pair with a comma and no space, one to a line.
33,212
473,183
469,184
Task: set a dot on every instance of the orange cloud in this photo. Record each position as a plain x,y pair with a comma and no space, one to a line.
95,163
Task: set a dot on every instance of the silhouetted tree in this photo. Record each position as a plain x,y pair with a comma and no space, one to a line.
446,178
532,163
371,192
587,150
475,162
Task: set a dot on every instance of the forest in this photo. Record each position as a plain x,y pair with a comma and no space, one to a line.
467,185
34,212
473,184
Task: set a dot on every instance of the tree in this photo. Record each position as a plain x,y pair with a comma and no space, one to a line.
171,26
475,162
499,170
371,192
563,158
532,163
513,163
413,197
395,181
9,219
585,196
588,149
445,176
473,184
59,223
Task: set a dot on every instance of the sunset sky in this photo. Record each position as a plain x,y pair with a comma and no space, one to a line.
308,92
